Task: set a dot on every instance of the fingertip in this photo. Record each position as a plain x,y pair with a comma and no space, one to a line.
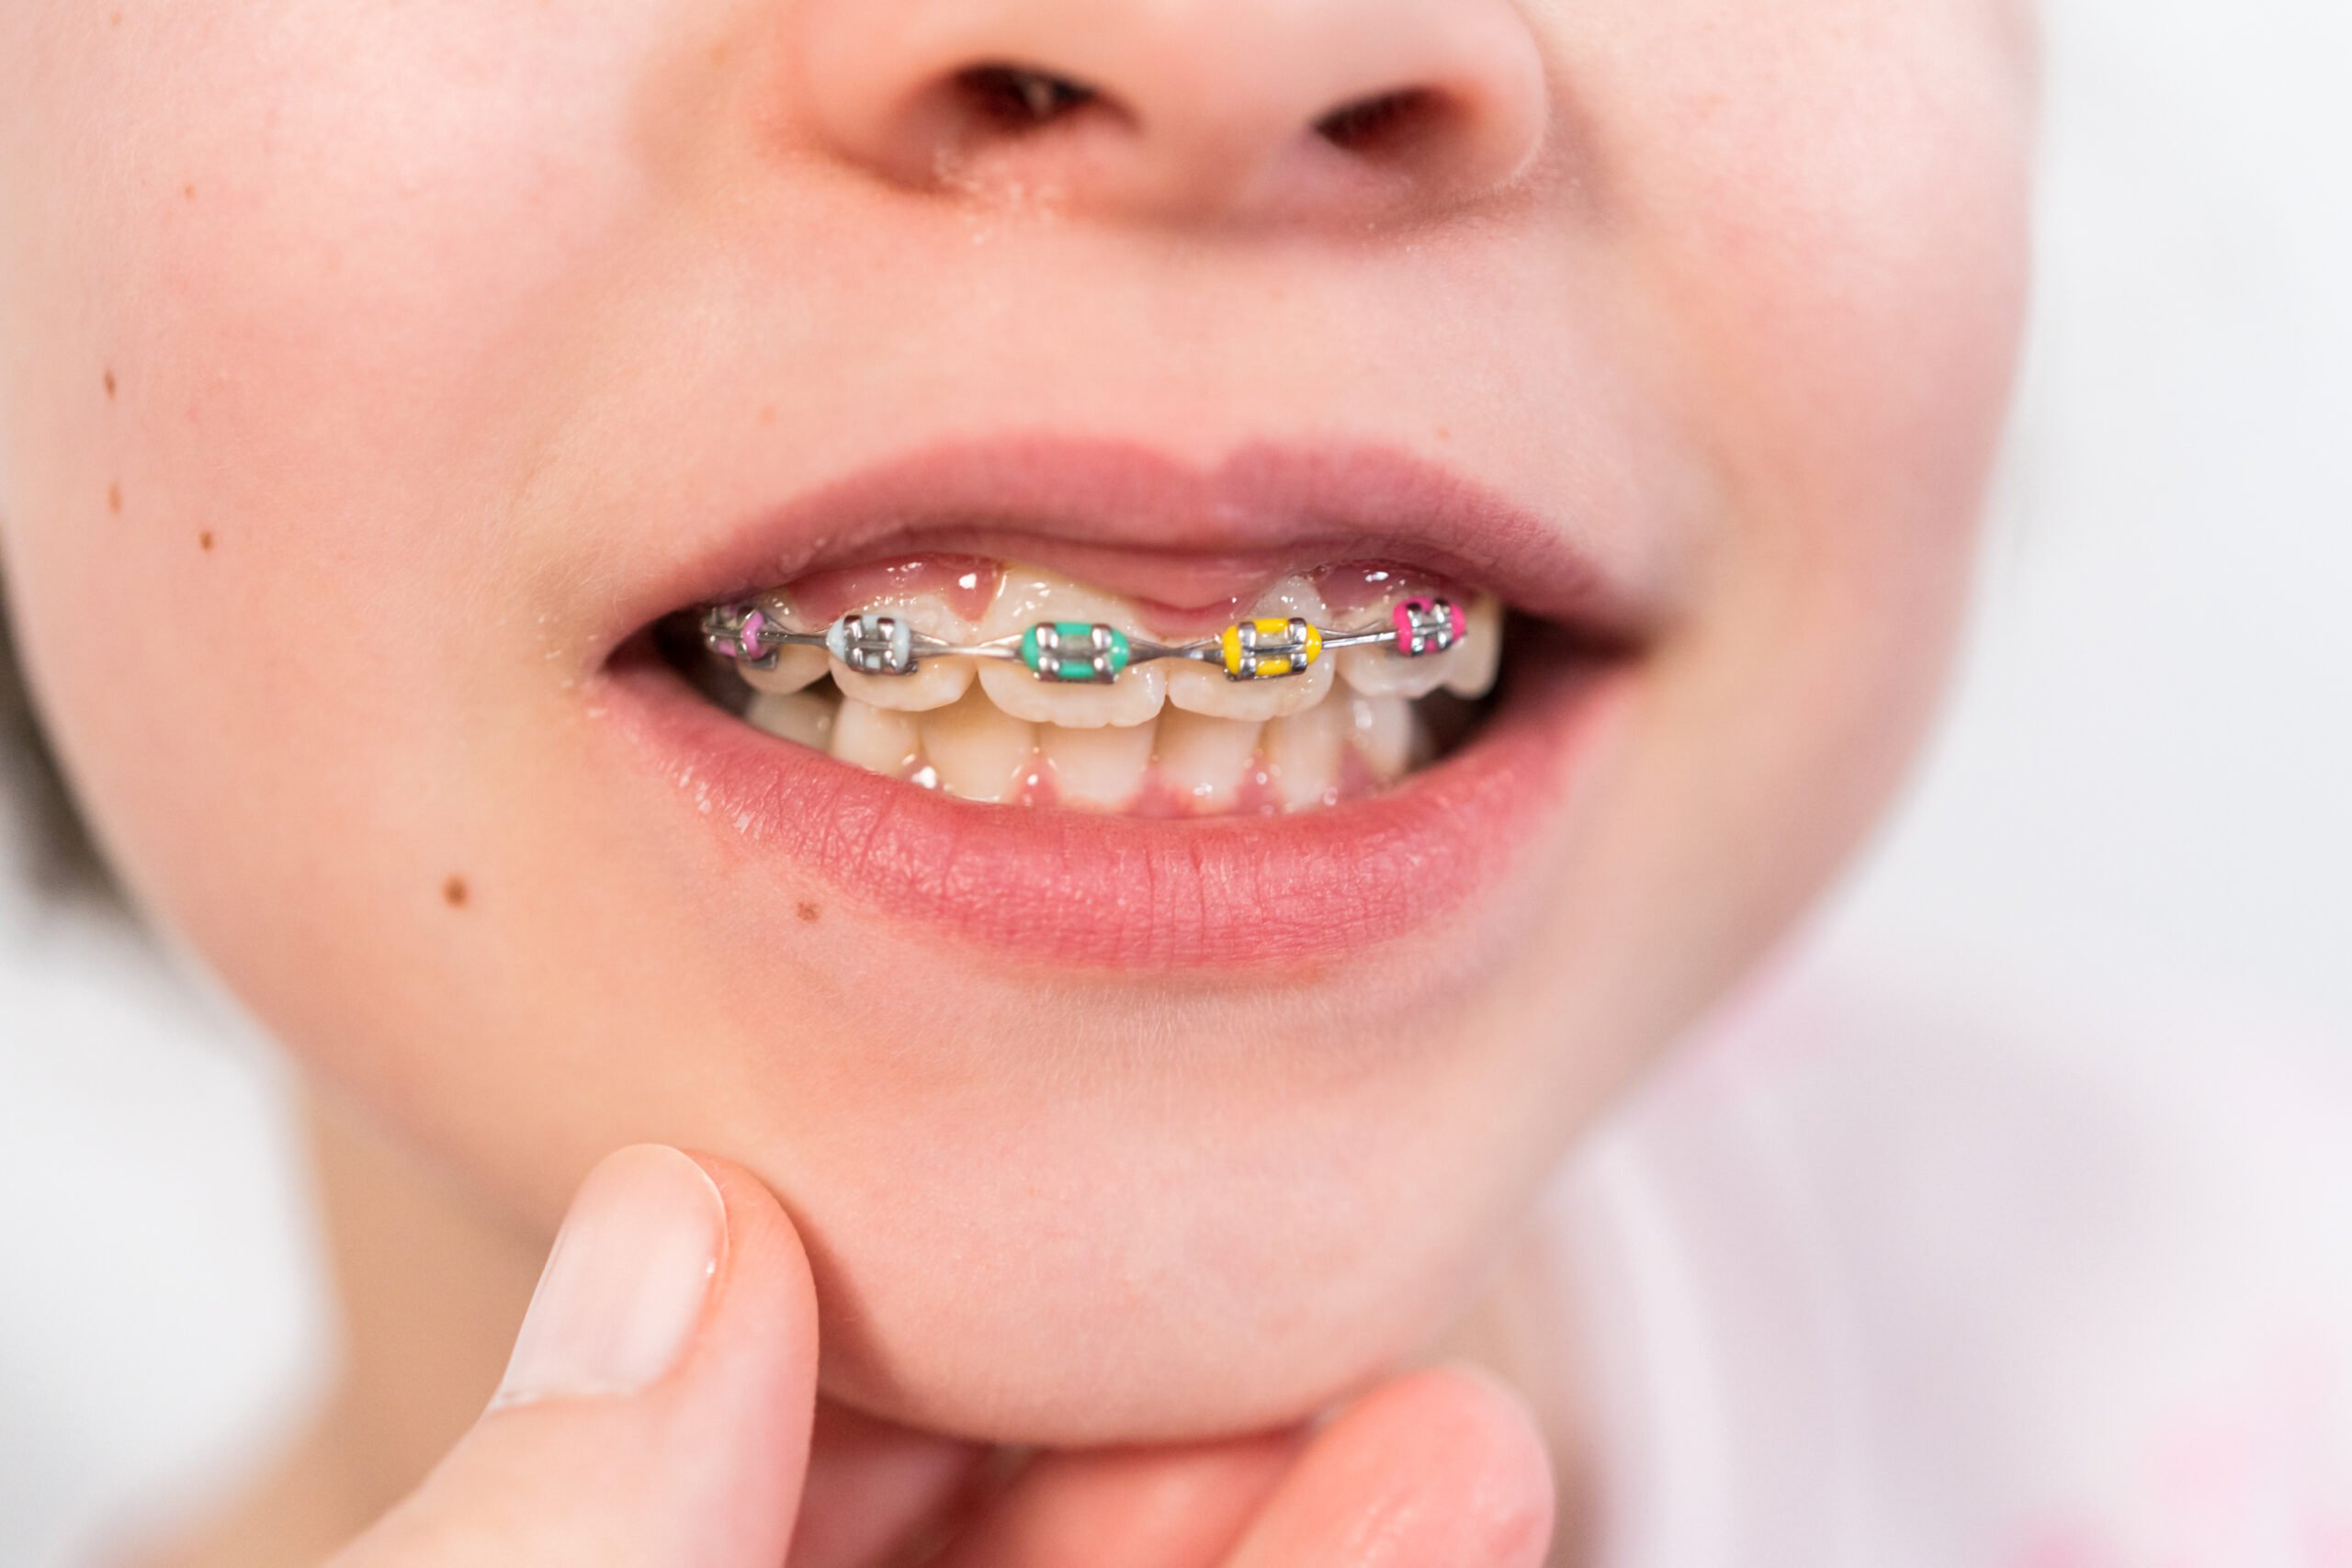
658,1407
1511,1493
1443,1466
627,1284
763,1249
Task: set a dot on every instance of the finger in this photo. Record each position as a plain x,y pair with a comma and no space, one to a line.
1443,1469
1165,1508
657,1409
874,1489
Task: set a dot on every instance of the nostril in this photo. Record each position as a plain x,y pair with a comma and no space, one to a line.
1384,124
1018,99
1293,111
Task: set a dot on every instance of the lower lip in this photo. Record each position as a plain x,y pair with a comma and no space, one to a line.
1126,893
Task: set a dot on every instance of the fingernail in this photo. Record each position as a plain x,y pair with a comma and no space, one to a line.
625,1285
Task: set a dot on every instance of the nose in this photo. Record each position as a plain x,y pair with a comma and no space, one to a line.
1312,111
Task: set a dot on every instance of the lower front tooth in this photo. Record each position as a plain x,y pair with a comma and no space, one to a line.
1100,770
1202,761
980,751
1303,754
877,739
1382,730
802,717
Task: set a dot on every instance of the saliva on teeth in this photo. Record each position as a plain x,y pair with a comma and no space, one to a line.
1056,697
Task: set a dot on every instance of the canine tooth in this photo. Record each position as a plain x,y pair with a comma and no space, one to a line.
1202,761
1204,689
1100,768
1481,651
981,752
1303,754
880,741
1382,731
795,668
1382,672
801,717
1029,595
936,681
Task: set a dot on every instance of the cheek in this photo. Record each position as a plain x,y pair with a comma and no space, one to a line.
1827,223
263,309
1843,246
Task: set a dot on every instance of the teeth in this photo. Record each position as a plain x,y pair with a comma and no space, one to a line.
1382,731
980,751
1203,761
1204,688
877,739
1029,596
990,730
1303,755
1481,649
795,667
1467,667
936,681
1100,769
803,718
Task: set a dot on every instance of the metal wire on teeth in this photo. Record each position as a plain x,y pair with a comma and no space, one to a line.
1080,652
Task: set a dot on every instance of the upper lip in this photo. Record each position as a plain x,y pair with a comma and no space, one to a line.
1105,511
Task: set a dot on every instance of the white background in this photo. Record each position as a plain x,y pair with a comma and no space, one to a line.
2148,771
2149,765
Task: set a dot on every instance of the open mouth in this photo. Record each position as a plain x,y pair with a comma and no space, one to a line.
1012,685
1066,698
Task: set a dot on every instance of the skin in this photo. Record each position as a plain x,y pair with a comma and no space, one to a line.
351,348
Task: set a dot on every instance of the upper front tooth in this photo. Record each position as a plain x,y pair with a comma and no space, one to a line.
1028,596
1206,689
935,682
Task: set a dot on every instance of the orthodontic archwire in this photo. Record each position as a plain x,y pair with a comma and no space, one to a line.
1079,652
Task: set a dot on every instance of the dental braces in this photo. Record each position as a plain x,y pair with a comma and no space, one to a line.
1079,652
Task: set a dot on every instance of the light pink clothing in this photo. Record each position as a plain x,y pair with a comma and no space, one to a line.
1873,1282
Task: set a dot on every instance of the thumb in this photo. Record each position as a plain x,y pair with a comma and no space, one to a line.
657,1407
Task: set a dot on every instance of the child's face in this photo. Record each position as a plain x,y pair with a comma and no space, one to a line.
376,374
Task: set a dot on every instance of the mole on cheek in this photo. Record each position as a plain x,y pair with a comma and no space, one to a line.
114,499
204,540
109,380
808,911
455,893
